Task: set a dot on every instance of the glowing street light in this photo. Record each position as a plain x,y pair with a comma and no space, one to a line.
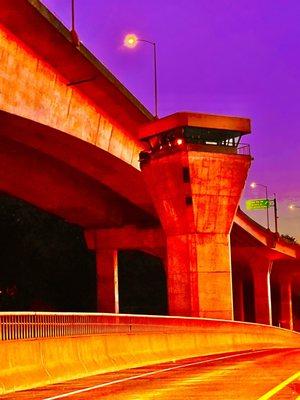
131,40
293,206
253,185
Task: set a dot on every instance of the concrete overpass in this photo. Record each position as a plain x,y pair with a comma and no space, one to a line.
70,142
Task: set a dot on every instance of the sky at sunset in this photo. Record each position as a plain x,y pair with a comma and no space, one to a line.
229,57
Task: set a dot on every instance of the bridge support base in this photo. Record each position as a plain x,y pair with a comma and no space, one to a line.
107,281
199,276
286,304
106,243
238,297
261,269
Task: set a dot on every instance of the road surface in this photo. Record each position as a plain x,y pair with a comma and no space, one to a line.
265,374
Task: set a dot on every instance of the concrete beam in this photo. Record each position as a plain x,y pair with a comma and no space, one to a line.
59,189
35,26
96,163
106,243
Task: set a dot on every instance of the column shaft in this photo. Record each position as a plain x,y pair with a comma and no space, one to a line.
107,281
261,269
286,304
238,298
199,276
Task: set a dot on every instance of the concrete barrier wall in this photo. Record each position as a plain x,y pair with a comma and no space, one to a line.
37,362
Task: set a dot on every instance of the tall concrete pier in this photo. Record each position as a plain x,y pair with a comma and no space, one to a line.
195,170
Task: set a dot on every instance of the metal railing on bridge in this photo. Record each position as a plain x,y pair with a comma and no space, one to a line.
29,325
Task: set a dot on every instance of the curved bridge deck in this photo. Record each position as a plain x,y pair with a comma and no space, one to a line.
39,349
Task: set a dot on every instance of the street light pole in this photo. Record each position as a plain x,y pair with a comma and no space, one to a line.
267,197
74,35
73,15
131,41
155,72
155,79
253,185
275,213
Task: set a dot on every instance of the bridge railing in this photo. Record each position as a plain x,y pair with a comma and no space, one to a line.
38,325
29,325
243,149
33,325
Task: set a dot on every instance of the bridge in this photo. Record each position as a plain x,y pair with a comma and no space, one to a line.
77,144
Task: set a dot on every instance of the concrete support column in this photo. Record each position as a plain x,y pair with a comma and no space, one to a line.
261,269
196,208
107,281
199,271
106,271
238,298
286,303
105,243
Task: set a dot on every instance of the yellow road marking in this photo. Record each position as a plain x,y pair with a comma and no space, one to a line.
279,387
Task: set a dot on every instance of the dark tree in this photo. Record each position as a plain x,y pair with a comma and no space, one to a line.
44,261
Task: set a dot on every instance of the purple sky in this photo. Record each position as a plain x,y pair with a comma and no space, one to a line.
217,56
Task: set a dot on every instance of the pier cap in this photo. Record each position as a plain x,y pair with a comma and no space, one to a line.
215,123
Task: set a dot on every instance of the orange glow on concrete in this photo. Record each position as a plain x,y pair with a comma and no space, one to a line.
51,102
199,264
52,123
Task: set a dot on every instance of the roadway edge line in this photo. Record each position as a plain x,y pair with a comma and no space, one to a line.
101,385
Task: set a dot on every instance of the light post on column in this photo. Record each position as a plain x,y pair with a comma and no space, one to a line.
275,213
253,186
74,36
131,40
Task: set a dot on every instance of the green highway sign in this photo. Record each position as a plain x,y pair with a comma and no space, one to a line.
257,204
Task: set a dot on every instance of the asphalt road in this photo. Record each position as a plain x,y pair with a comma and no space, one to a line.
268,374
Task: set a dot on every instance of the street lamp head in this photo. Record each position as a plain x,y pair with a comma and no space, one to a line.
253,185
291,206
130,40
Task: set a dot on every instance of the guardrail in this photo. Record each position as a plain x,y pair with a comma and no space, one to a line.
42,348
30,325
240,149
243,149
